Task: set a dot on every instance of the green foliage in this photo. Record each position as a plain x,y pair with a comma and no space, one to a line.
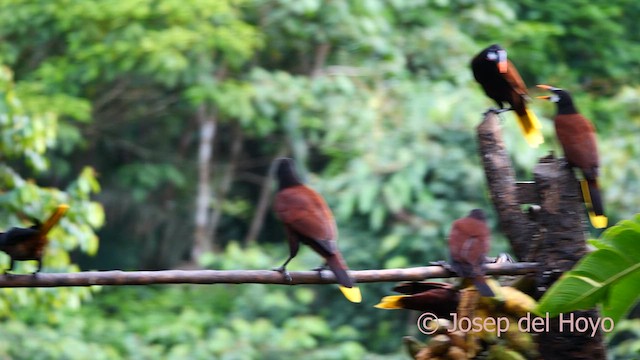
23,133
28,129
625,341
373,98
608,276
596,43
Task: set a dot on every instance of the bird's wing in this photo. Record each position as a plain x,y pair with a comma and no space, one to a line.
469,240
17,235
515,80
304,211
578,139
415,287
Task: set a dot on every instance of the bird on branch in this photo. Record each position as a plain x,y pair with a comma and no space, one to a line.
501,82
29,243
439,298
307,219
578,139
469,243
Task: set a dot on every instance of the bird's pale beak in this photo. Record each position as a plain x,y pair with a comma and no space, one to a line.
545,97
547,87
502,61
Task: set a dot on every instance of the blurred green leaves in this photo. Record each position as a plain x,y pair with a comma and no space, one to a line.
28,130
373,98
607,276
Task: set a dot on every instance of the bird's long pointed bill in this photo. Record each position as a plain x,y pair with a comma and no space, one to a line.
352,294
390,302
503,64
598,221
53,219
544,97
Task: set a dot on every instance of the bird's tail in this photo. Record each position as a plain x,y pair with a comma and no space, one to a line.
481,284
391,302
339,269
593,201
530,126
53,219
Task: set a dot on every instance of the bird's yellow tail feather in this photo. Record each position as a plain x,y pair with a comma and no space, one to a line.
390,302
598,221
530,126
53,219
352,294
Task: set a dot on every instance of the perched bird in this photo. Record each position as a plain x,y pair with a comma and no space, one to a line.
502,83
469,242
578,139
29,243
308,219
438,298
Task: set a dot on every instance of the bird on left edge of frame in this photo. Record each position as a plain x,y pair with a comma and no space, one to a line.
502,82
29,243
307,219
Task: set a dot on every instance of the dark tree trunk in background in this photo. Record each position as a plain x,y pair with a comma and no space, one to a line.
551,233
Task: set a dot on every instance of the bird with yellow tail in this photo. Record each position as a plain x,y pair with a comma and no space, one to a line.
307,219
450,305
438,298
29,243
578,139
501,82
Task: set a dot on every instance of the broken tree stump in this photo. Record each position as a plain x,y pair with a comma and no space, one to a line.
552,231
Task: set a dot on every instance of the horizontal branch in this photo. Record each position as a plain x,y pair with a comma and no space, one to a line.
116,277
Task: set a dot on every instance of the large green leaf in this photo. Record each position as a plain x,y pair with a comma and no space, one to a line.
608,276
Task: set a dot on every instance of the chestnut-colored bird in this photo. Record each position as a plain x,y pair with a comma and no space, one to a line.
308,219
578,139
29,243
469,242
438,298
502,83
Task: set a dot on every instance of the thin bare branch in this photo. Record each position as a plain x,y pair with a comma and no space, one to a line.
116,277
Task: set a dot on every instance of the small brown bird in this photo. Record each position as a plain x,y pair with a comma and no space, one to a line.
438,298
469,242
308,219
578,139
501,82
29,243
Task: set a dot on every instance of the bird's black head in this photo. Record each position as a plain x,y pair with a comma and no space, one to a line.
561,97
286,173
478,214
497,54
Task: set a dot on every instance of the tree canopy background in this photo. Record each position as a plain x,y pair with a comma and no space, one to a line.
163,116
